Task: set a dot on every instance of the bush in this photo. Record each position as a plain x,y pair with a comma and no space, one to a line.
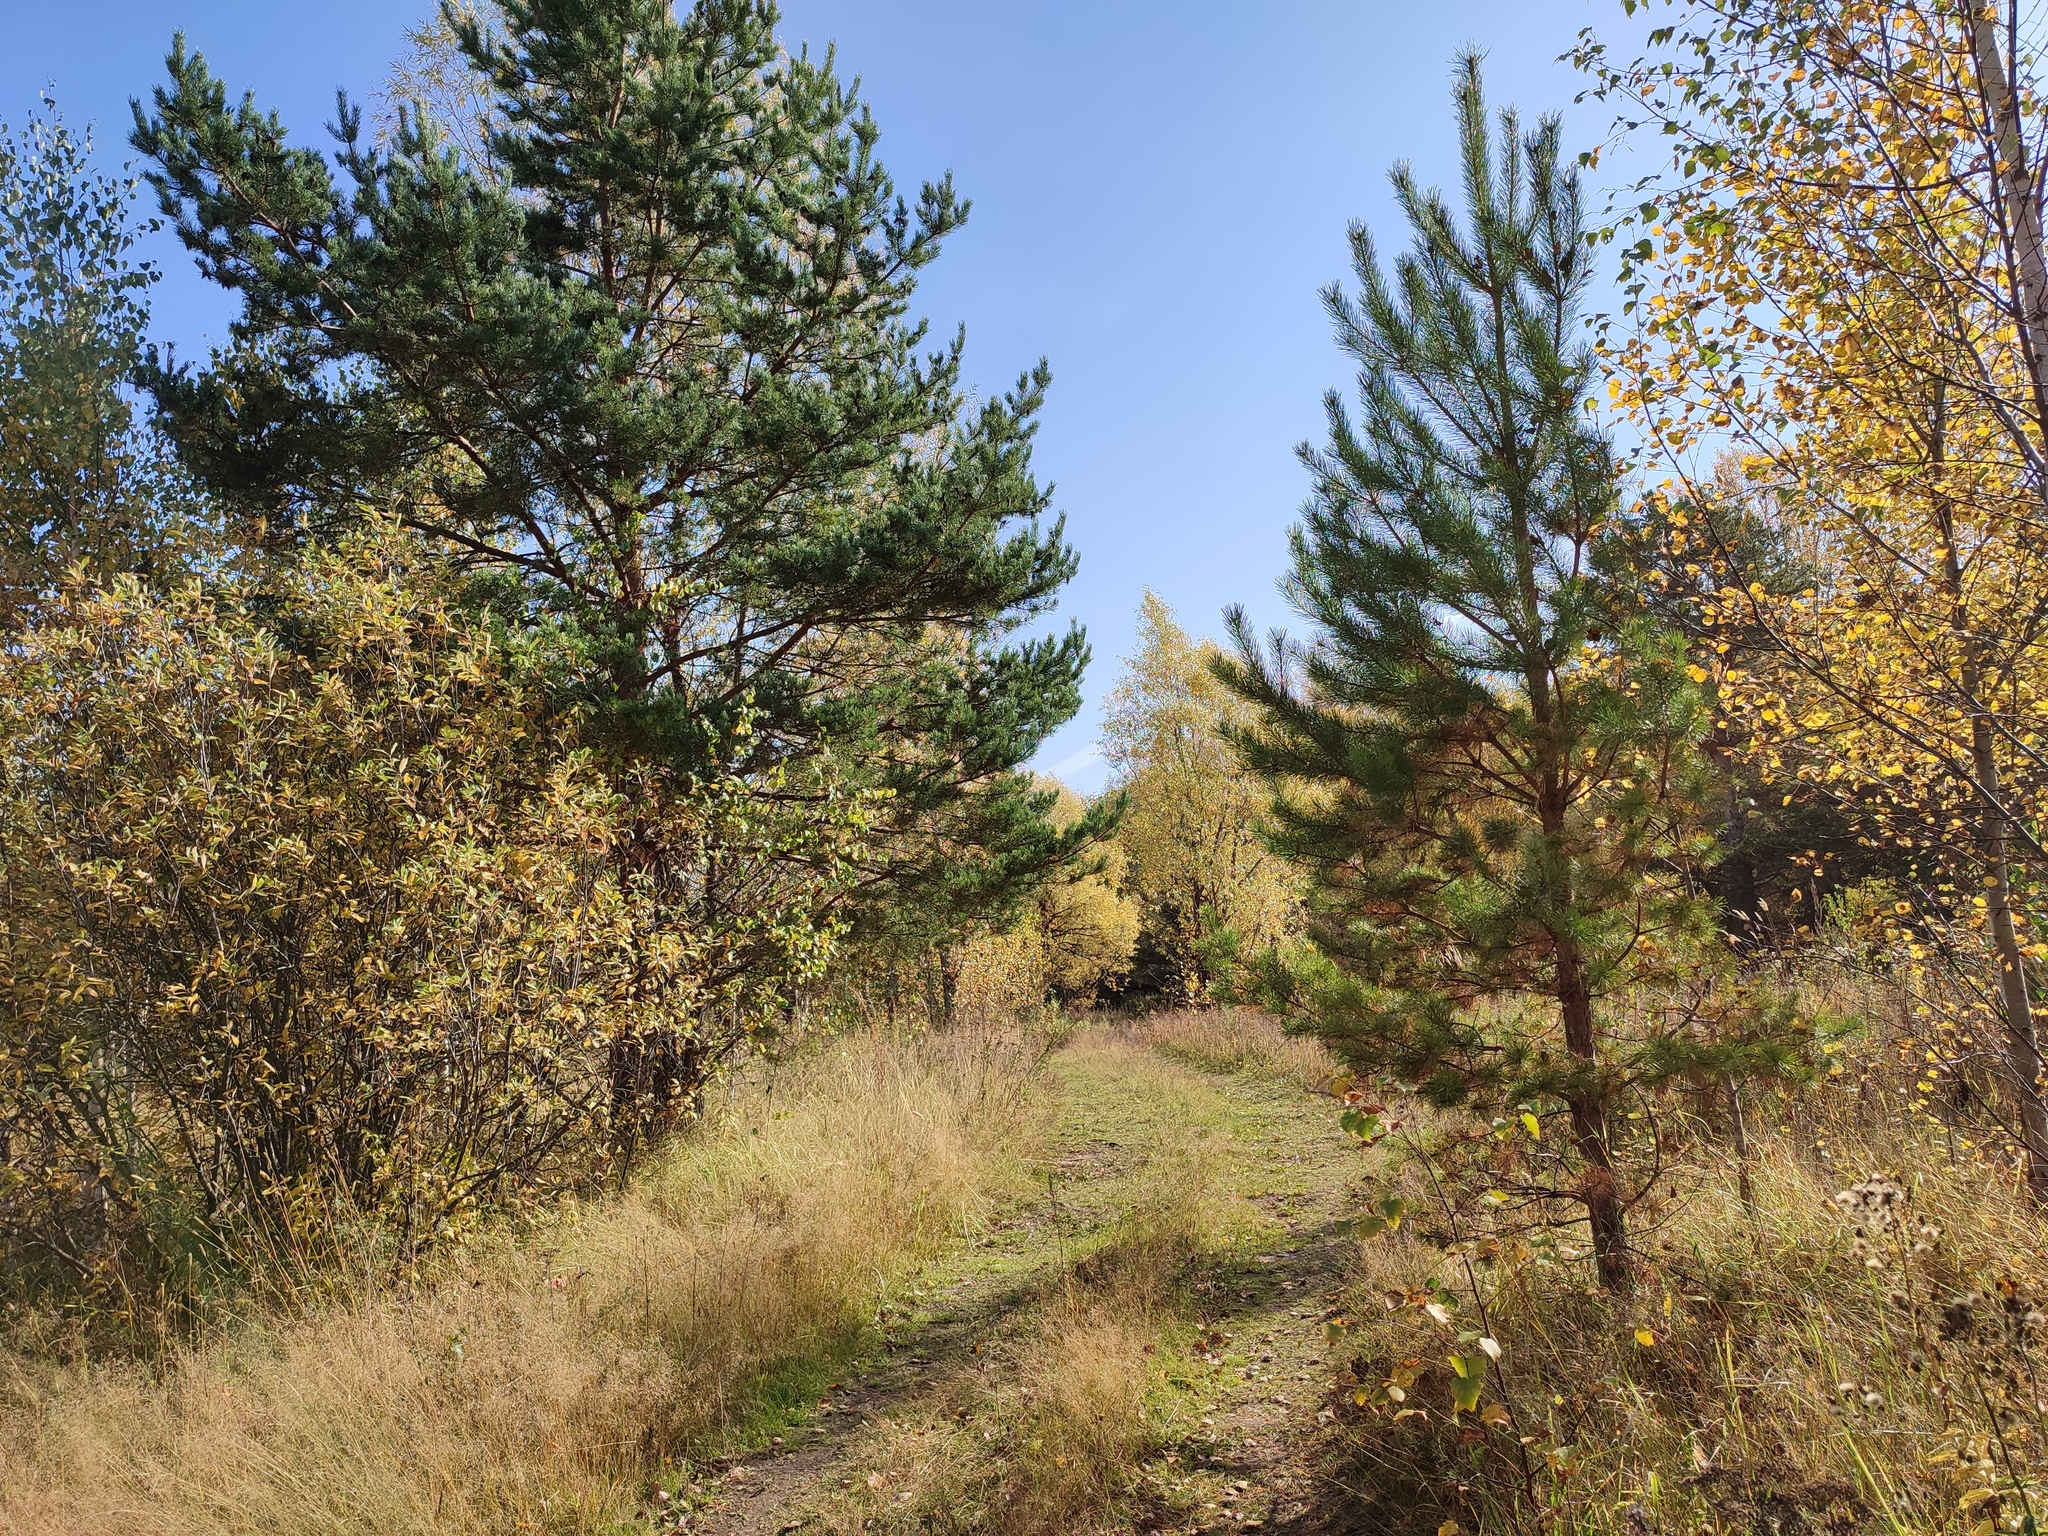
307,913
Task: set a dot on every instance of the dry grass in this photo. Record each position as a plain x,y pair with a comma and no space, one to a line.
1241,1041
1793,1372
541,1383
1773,1370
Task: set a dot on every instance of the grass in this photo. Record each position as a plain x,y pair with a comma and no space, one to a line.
1050,1425
1237,1041
1783,1364
543,1380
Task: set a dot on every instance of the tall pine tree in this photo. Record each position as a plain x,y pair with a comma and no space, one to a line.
1489,772
649,370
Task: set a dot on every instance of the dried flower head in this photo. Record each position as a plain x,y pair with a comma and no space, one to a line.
1877,1202
1959,1317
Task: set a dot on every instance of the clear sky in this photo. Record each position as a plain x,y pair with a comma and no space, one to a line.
1160,189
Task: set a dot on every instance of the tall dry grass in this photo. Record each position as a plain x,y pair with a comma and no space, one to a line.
1804,1363
541,1381
1240,1041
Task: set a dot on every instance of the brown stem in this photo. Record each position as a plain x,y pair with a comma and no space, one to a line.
2022,1042
1598,1190
1742,1181
2021,208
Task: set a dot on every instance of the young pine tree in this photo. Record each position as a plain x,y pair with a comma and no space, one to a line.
1488,769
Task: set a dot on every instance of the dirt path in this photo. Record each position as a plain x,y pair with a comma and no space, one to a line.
1251,1382
1269,1375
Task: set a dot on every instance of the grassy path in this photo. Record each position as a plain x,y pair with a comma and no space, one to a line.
1135,1344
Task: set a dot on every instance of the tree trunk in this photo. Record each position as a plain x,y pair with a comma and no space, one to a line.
1738,864
656,1077
949,984
1743,1186
2022,208
1597,1186
2022,1041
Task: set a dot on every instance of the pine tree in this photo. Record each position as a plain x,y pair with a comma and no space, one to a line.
649,371
1489,771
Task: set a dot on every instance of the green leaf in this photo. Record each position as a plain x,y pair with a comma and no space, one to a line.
1363,1124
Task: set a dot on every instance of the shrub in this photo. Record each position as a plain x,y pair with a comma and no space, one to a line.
306,911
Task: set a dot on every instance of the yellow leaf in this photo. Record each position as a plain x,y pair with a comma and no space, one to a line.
1533,1125
1697,673
1646,1338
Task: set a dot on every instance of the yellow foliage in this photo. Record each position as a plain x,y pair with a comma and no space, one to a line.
1086,924
1851,268
310,921
1190,840
999,975
1075,943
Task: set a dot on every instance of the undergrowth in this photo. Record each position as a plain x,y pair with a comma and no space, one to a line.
1850,1340
1859,1346
1231,1040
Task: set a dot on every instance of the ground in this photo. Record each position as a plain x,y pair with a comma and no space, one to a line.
1254,1170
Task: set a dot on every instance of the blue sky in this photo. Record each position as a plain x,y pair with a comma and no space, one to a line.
1159,191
